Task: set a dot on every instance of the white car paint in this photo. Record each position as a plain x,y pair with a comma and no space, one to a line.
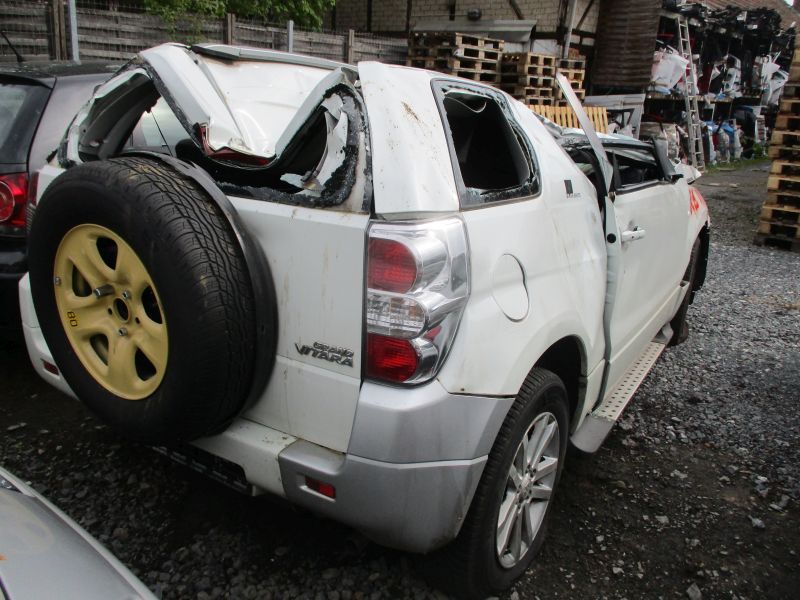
411,169
650,269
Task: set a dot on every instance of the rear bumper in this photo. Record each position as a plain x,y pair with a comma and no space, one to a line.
407,480
416,507
415,458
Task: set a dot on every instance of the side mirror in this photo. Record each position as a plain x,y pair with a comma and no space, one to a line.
675,177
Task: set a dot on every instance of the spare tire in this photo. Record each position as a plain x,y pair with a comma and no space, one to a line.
144,298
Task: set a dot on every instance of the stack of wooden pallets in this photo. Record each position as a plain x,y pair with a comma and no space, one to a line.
564,116
528,77
460,54
780,216
573,69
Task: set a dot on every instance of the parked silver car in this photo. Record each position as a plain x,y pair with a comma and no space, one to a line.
45,554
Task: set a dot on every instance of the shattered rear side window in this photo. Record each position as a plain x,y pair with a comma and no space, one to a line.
493,161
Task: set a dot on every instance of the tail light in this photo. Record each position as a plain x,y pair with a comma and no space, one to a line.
13,197
417,287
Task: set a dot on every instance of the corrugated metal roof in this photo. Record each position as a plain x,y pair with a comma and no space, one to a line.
787,13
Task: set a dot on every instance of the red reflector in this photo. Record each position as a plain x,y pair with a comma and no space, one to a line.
390,359
696,200
13,194
50,367
326,489
391,266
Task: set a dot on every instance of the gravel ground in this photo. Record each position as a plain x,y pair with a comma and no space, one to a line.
693,495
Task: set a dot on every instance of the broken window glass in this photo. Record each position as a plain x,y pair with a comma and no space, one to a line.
493,160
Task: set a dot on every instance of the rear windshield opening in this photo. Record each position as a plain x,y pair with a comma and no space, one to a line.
489,154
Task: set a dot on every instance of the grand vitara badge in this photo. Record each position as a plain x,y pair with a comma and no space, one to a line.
335,354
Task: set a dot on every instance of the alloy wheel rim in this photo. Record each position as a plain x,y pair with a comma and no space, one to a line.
528,489
110,311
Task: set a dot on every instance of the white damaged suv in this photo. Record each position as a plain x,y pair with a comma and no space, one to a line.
388,295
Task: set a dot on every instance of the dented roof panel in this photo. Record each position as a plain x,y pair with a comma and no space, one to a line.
411,166
264,97
244,105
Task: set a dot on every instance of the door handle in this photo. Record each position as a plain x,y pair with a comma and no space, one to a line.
633,235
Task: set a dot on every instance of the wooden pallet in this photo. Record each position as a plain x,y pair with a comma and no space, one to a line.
573,74
785,167
525,80
572,63
475,75
785,199
789,215
784,152
523,60
576,85
776,228
791,90
525,71
532,101
777,241
581,94
565,116
454,51
783,183
781,137
789,106
528,91
788,121
447,38
448,65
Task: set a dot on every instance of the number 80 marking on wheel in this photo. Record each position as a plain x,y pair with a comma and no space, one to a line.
72,318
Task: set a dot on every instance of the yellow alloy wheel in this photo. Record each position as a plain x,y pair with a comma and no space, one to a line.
110,311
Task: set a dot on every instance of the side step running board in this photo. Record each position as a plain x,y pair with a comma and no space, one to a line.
596,427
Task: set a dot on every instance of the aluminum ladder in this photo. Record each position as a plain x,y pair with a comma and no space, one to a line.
693,125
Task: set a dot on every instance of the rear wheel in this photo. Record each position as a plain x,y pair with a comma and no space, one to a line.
508,517
144,298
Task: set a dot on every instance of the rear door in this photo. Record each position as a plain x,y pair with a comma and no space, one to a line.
313,245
